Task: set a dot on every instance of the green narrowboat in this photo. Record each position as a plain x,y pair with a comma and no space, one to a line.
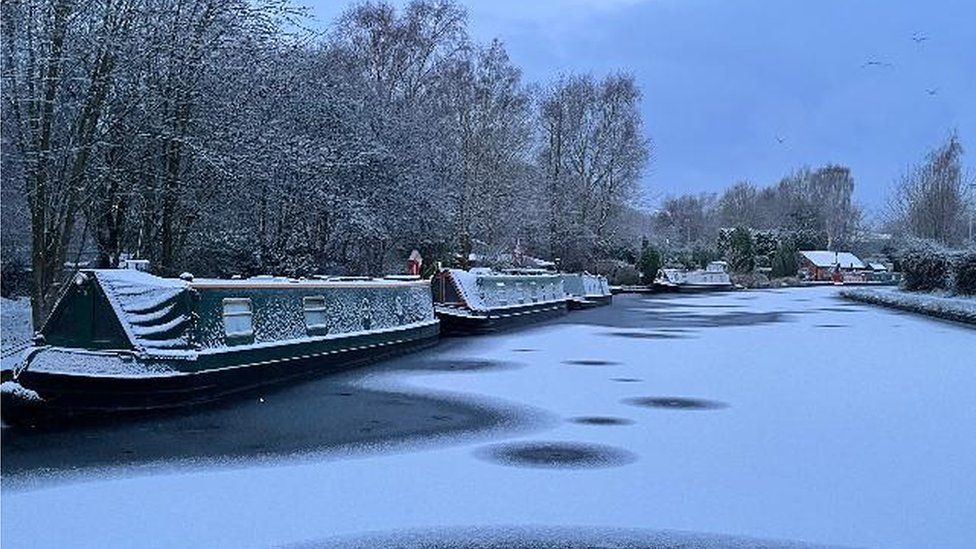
124,340
483,300
586,290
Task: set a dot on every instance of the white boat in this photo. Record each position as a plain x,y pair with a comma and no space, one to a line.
482,300
713,277
586,290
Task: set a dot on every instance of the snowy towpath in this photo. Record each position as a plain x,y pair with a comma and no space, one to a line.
786,414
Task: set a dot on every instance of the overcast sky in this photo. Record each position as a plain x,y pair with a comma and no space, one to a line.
751,89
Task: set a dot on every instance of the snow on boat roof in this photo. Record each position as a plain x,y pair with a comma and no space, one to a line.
155,316
147,306
283,282
824,258
132,277
466,283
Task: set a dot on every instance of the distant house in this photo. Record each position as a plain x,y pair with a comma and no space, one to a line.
821,264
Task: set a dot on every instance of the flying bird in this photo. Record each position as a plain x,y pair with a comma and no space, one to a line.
780,140
918,38
876,63
932,91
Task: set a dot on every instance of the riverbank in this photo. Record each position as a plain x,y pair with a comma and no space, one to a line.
954,308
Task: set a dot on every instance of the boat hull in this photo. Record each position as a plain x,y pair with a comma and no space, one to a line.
698,288
60,395
649,289
466,322
590,302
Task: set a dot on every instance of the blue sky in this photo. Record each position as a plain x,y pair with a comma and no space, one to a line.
751,89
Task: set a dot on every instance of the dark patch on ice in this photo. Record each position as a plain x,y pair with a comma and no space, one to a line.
627,379
731,319
601,420
546,537
832,325
463,365
590,362
328,414
840,309
647,335
556,455
677,403
675,312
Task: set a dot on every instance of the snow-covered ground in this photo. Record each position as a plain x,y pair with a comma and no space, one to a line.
779,414
15,329
15,321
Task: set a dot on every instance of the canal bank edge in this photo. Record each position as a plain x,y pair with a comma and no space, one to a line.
945,308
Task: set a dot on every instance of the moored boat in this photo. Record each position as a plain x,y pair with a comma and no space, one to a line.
585,290
712,278
483,300
123,340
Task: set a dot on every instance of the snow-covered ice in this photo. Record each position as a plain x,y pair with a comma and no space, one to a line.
15,330
779,414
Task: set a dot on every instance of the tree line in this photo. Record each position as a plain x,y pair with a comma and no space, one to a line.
222,137
814,208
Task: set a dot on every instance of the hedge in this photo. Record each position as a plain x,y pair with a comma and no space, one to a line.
964,272
927,267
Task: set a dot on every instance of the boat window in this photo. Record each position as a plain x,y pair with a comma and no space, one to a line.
238,317
316,317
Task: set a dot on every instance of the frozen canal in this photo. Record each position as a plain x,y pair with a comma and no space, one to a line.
779,415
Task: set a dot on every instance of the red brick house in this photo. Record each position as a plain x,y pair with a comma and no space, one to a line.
821,264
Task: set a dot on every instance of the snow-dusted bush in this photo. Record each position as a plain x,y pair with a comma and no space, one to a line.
741,254
784,262
964,272
750,280
14,278
650,262
925,267
766,242
624,275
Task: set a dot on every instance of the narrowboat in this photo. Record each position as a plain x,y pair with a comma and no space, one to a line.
124,340
586,290
483,300
714,277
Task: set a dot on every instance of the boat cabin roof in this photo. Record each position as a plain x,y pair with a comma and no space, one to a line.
121,309
283,282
